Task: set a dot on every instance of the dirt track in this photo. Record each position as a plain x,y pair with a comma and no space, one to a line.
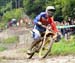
19,56
60,59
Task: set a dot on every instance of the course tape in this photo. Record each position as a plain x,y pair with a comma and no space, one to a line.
66,26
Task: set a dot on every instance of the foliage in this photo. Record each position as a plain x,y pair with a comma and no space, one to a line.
63,7
33,9
15,13
4,8
2,25
5,5
64,47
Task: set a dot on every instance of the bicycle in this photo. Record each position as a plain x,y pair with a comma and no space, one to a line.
44,45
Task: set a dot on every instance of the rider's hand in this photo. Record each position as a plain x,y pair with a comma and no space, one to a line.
39,23
48,27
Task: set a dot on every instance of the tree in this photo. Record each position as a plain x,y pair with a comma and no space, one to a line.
33,7
64,8
15,13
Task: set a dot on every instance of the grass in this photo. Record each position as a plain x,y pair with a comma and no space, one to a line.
64,47
2,25
10,40
2,48
7,42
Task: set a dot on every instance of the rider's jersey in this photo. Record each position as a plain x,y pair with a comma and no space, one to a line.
42,17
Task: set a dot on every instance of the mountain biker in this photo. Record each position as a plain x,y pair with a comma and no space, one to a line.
40,24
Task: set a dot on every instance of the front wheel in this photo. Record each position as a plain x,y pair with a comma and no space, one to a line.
46,48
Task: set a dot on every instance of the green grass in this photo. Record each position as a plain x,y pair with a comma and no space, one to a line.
2,48
2,25
10,40
7,42
64,47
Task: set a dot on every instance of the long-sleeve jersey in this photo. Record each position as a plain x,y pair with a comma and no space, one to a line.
42,17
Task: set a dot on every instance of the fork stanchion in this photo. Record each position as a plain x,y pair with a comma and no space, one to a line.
40,52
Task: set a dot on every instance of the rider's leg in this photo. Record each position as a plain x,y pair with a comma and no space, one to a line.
37,39
34,43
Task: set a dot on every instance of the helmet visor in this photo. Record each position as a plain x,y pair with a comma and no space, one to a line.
50,13
53,10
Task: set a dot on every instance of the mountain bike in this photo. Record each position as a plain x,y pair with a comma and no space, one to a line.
44,46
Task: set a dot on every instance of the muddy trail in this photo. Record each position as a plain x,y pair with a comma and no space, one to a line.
17,54
14,56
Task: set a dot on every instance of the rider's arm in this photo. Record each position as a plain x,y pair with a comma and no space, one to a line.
39,23
37,20
53,25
